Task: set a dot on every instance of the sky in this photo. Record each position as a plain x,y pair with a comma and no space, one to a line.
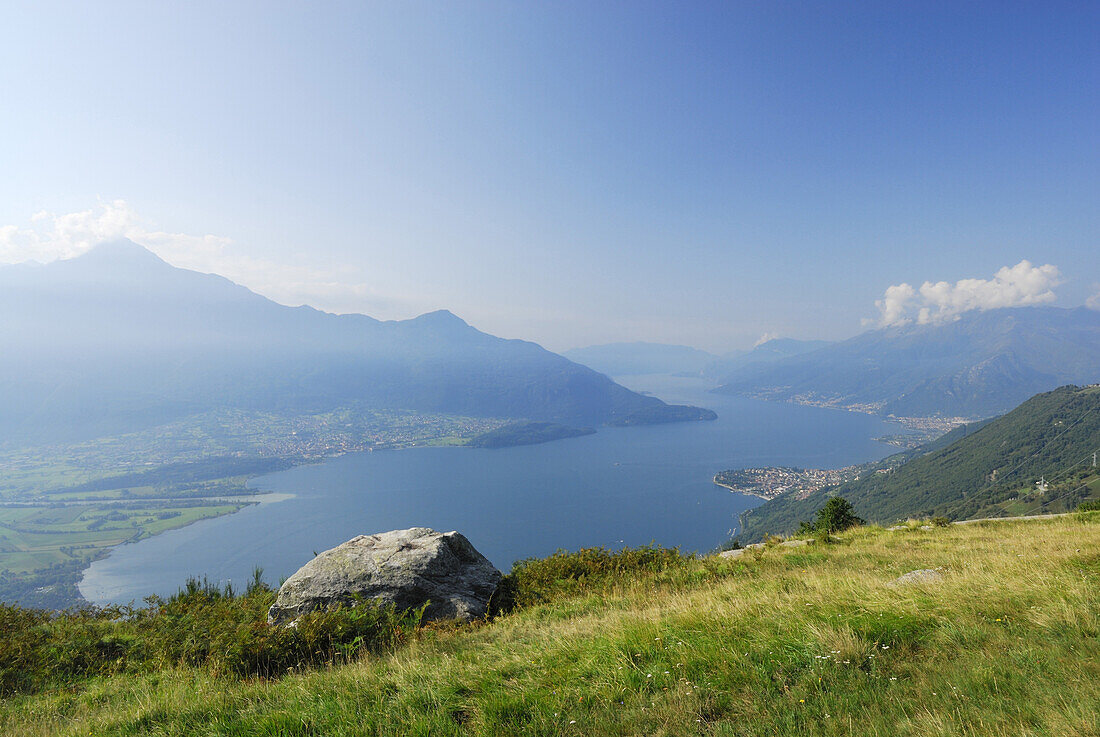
571,172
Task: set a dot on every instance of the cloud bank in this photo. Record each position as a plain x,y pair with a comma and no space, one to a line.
1012,286
51,236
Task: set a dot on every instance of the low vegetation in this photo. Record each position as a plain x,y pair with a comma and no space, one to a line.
811,640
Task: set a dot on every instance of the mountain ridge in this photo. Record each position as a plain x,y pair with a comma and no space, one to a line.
118,338
980,365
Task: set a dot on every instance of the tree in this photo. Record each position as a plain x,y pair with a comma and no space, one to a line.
836,516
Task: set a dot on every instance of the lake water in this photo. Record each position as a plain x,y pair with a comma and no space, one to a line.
621,486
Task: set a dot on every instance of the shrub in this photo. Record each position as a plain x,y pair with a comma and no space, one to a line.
807,529
940,522
202,625
536,580
1091,505
837,515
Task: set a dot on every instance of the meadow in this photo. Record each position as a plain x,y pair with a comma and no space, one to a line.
812,640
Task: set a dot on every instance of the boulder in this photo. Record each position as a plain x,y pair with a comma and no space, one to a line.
405,568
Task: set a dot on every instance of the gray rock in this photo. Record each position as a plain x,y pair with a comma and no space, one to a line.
737,552
925,575
405,568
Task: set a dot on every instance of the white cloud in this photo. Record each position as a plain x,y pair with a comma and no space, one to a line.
895,303
52,236
1093,302
765,338
1012,286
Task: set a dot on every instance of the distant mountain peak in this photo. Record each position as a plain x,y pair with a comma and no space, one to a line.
121,252
121,247
441,318
979,364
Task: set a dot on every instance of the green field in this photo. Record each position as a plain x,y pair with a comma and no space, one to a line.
63,506
814,640
43,549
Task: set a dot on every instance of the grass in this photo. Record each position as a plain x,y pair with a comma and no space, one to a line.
806,641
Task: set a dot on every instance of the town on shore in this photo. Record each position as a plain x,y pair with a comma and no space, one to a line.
771,481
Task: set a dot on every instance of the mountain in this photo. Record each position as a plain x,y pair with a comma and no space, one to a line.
763,353
979,470
980,365
626,359
118,340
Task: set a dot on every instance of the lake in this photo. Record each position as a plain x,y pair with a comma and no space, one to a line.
621,486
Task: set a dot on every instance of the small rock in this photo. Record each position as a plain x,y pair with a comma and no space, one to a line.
405,568
735,553
925,575
794,543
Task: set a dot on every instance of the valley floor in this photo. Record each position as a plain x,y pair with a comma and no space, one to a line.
814,640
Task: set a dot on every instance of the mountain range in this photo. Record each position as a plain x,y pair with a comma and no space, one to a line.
118,340
767,352
982,364
625,359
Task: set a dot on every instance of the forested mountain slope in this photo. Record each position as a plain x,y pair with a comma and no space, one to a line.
986,470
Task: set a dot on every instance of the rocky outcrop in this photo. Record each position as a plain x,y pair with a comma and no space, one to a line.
405,568
738,552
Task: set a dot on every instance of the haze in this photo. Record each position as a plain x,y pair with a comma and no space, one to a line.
570,173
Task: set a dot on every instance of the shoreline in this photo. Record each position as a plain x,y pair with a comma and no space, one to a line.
757,494
107,552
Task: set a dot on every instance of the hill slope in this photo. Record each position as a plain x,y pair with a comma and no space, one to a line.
980,365
803,641
116,340
989,469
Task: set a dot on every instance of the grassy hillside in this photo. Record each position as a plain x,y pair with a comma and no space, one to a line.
986,470
809,641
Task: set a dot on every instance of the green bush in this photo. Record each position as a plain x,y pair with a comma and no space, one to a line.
836,516
202,625
1092,505
536,580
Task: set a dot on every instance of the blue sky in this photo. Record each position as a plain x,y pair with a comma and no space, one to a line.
570,173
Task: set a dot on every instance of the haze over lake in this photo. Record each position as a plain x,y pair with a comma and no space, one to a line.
621,486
